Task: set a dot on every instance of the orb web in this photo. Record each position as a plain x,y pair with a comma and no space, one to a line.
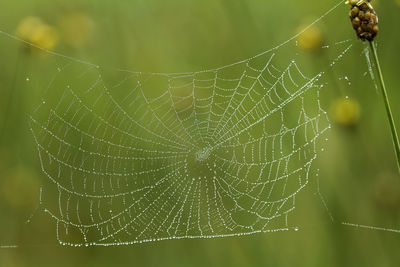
136,157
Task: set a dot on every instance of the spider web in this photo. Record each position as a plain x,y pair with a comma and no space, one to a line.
155,156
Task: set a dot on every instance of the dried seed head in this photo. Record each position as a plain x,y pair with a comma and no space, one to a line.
363,19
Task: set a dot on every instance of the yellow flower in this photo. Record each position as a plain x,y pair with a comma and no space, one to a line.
35,31
76,29
346,111
28,26
311,39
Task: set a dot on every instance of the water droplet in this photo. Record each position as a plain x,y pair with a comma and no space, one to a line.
347,97
27,79
296,228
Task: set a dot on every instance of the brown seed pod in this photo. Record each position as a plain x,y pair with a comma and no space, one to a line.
356,22
363,19
354,11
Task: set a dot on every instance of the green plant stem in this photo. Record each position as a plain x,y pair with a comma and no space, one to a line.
389,114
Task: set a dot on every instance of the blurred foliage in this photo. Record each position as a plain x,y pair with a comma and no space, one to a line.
357,172
76,29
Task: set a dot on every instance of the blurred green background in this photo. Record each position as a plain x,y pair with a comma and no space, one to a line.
357,175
